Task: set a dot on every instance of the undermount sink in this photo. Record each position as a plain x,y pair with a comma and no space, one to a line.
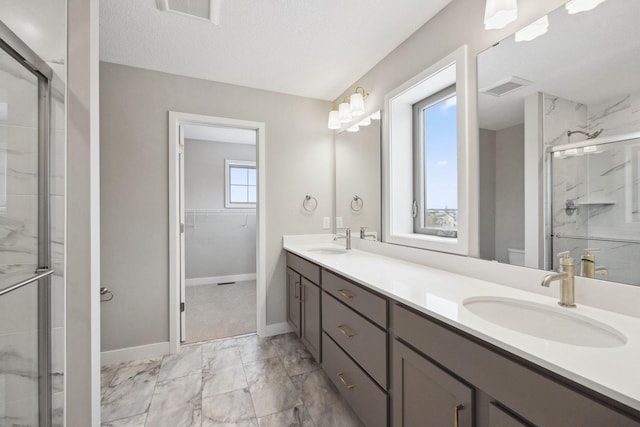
328,250
550,323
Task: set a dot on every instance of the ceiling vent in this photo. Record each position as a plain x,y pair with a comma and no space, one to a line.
505,86
202,9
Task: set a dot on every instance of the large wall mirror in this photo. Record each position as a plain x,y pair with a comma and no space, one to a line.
358,179
559,118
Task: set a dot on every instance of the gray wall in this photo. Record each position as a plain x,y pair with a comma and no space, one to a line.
134,107
487,196
216,243
509,167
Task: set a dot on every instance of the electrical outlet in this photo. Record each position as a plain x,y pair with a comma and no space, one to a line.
339,222
326,222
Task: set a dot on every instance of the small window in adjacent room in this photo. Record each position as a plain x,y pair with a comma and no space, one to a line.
240,184
436,164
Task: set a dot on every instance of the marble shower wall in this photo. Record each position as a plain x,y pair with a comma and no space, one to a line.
603,185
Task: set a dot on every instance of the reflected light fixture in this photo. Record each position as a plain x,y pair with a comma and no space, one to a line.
534,30
354,128
499,13
365,122
577,6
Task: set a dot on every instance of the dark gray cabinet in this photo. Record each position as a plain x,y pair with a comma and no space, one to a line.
303,302
293,299
310,326
425,395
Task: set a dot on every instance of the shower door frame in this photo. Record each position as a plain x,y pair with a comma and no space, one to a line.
22,53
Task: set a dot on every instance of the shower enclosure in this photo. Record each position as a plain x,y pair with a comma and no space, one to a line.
31,367
595,200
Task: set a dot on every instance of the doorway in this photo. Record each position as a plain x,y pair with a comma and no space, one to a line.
216,202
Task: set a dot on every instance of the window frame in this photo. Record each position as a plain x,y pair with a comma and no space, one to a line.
419,168
398,157
228,164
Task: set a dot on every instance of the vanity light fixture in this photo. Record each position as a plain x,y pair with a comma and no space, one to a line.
376,115
577,6
344,111
352,106
533,31
354,128
334,119
499,13
365,122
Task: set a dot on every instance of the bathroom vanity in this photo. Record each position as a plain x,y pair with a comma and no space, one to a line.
404,346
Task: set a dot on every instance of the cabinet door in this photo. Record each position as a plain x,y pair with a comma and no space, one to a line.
311,326
425,395
293,299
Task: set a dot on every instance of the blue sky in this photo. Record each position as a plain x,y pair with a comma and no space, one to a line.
441,157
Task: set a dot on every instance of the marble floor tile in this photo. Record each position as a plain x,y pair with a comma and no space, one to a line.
295,417
135,421
208,347
254,348
265,370
177,402
287,343
273,395
299,362
187,362
229,409
322,400
223,381
221,359
130,390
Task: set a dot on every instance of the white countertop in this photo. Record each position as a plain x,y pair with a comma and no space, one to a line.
613,371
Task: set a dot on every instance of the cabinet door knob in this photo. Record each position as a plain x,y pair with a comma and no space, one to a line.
344,331
456,413
345,294
347,385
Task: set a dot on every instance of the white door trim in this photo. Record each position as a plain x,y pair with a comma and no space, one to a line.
176,119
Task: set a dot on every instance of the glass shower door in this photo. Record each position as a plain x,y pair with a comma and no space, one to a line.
25,334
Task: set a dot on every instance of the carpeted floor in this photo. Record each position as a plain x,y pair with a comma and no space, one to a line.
220,311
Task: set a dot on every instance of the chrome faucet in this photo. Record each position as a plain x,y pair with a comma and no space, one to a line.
346,236
364,234
588,264
566,276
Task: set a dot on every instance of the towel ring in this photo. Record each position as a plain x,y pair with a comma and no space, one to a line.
309,203
357,203
106,293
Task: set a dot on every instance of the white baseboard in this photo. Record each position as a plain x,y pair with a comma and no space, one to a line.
134,353
277,329
219,279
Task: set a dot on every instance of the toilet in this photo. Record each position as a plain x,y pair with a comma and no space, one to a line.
516,256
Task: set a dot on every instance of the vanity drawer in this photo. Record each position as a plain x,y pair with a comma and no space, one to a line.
356,297
529,391
304,267
363,395
361,339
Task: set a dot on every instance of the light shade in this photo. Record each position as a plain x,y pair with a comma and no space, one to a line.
365,121
533,30
334,120
499,13
354,128
357,104
376,115
577,6
344,112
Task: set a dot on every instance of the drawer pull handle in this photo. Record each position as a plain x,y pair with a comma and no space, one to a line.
347,385
345,294
456,413
295,290
346,333
303,289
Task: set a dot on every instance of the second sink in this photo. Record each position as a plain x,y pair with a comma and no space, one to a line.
550,323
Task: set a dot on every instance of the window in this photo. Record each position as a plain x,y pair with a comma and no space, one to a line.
240,184
435,167
426,152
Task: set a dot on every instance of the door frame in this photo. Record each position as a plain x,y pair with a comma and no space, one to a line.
176,120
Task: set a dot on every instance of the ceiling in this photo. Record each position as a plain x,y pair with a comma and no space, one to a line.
589,58
311,48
